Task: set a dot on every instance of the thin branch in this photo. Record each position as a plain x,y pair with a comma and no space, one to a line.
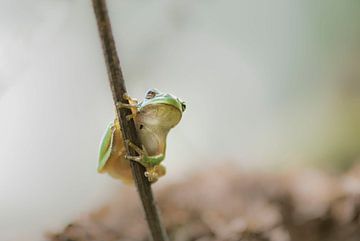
118,89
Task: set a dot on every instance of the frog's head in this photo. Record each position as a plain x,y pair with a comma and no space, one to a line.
161,109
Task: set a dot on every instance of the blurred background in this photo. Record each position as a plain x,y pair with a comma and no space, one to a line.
268,84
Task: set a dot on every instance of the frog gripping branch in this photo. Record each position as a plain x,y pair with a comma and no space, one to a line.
153,117
126,120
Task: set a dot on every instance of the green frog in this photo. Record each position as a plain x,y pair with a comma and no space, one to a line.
153,117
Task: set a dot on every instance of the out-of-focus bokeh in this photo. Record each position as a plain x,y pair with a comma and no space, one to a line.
268,84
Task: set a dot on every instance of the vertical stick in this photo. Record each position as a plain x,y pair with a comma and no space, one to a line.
118,89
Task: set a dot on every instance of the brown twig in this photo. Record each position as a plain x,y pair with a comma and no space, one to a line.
118,89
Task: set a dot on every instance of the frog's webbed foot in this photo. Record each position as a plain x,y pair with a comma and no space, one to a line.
152,177
154,173
132,105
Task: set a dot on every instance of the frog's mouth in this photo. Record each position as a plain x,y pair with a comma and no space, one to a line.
175,102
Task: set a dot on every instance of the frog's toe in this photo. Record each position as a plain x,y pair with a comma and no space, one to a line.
152,176
133,158
129,117
121,105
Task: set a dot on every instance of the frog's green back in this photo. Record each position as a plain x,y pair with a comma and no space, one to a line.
106,146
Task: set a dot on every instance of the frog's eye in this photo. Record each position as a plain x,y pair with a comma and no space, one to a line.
183,106
150,94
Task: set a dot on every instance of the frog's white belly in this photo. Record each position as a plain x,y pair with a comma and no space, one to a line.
153,123
153,140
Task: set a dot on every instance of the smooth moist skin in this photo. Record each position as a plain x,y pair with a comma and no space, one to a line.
154,117
153,125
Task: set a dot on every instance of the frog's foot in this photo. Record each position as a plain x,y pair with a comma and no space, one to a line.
151,176
131,100
131,105
154,173
134,158
121,105
131,116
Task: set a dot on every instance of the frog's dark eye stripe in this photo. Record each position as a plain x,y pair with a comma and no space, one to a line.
150,94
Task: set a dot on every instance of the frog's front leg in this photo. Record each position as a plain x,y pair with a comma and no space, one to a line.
123,105
133,106
130,99
143,156
132,102
137,149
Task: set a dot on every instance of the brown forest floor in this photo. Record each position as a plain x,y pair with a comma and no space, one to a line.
227,204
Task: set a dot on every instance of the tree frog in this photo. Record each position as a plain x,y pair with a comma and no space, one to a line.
153,117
